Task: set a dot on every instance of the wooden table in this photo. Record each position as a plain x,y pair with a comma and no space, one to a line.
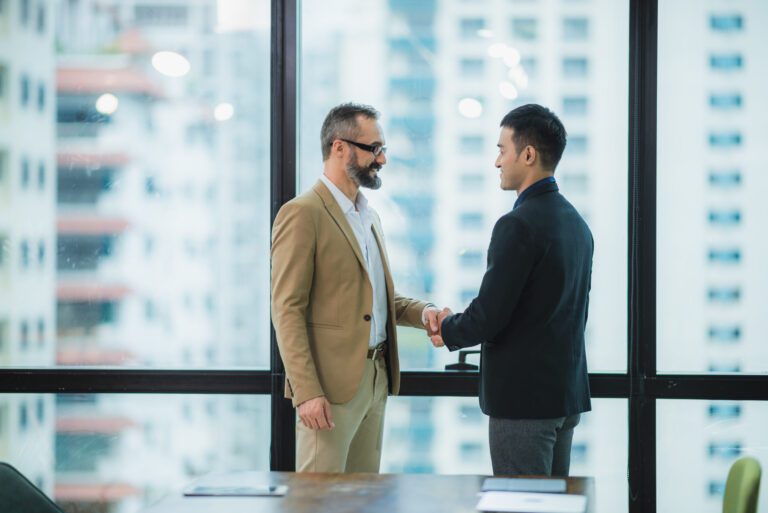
348,493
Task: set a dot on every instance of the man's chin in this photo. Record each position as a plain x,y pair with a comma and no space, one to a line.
372,180
373,184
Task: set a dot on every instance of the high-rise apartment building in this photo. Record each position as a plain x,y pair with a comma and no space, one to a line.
27,227
132,196
712,290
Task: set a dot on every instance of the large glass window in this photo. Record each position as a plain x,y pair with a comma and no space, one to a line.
711,249
118,452
154,245
695,455
440,126
134,214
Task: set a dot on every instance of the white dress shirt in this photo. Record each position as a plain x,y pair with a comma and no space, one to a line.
359,217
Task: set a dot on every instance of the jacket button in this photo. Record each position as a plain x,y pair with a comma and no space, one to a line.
366,317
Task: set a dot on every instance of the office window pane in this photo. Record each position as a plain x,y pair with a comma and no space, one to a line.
725,101
525,28
449,435
471,258
150,180
3,85
117,452
725,178
575,106
469,68
697,441
724,62
441,125
471,220
726,22
472,182
25,91
575,29
575,67
711,289
469,28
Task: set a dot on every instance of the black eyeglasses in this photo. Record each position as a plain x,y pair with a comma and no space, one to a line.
375,149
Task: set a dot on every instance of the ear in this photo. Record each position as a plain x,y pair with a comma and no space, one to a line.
337,149
530,155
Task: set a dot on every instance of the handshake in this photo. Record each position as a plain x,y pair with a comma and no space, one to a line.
434,324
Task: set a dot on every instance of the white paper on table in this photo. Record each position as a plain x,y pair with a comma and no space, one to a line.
522,502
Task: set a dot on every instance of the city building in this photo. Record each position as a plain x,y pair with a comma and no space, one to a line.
27,229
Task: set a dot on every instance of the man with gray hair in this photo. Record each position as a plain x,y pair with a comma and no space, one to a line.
334,306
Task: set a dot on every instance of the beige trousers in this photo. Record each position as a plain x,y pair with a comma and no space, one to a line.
354,444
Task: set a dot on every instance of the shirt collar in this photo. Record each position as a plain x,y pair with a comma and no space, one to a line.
344,202
533,188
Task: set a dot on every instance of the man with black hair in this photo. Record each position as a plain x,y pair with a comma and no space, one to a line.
531,310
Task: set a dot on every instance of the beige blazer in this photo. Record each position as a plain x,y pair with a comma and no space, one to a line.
322,300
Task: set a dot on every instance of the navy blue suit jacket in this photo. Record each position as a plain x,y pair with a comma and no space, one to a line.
531,310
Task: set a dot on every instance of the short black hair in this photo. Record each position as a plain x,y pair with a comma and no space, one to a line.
341,123
539,127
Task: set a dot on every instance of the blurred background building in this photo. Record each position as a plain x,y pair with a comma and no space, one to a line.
129,210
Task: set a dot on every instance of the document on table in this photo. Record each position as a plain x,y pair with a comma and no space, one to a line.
521,502
236,490
521,484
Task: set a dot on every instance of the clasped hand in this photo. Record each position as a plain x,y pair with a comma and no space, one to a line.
434,325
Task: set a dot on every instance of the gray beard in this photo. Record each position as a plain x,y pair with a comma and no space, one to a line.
362,176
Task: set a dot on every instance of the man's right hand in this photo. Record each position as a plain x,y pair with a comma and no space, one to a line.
437,337
316,413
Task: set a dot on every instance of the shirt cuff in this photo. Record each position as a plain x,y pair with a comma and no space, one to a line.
429,306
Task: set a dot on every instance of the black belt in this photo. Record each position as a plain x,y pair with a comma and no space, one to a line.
377,352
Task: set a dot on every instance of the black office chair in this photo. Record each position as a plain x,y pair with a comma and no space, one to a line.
18,495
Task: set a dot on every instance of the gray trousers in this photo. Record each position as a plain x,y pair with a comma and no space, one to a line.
531,446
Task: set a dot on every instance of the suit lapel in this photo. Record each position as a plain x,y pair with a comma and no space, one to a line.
340,219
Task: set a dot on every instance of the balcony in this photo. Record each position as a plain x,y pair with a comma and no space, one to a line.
96,81
70,354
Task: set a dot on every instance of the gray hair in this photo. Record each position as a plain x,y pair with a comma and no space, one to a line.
341,123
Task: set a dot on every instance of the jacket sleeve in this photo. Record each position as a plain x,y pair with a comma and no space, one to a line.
589,287
511,257
293,264
408,311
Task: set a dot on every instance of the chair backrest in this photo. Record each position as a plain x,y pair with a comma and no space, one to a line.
17,494
742,487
